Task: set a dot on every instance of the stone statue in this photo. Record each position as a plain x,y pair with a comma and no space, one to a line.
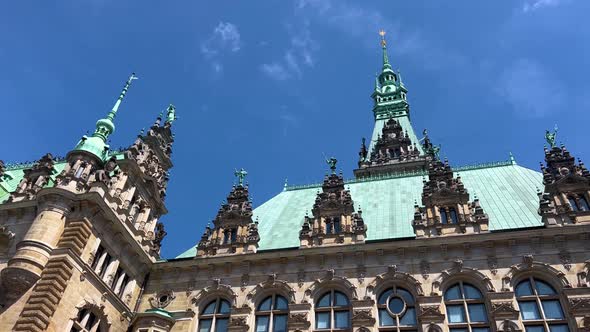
241,174
332,163
550,137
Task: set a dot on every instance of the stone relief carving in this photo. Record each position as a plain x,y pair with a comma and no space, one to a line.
282,287
162,299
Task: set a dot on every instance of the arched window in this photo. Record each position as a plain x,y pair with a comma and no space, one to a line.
333,225
215,316
87,321
396,309
540,308
271,314
466,310
332,312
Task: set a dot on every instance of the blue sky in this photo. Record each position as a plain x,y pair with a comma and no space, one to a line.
273,85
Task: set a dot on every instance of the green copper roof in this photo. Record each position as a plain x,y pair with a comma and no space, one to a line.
14,174
507,193
160,311
12,178
97,143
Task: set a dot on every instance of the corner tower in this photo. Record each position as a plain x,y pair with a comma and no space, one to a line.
394,146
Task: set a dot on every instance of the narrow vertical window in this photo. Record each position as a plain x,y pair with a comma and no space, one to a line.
443,216
583,204
573,203
454,218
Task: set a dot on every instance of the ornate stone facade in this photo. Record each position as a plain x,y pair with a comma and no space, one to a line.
80,239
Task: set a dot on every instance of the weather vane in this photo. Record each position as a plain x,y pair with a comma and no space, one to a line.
382,34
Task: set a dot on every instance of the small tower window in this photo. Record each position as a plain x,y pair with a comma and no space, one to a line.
333,225
229,236
573,203
443,216
578,203
454,218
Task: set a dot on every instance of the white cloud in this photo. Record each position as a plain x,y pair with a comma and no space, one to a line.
298,55
275,70
531,89
532,5
225,38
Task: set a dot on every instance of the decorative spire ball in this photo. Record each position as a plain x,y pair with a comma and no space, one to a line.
382,34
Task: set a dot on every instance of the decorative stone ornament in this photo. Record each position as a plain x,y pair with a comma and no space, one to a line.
446,207
566,196
162,299
234,231
334,220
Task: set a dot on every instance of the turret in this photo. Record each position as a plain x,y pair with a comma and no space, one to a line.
566,196
394,146
234,231
334,220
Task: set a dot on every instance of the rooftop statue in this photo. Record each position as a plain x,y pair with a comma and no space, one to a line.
550,137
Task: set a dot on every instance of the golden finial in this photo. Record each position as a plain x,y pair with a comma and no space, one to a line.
382,34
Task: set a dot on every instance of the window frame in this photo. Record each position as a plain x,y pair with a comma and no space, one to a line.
396,317
79,324
538,300
465,302
272,312
332,309
215,315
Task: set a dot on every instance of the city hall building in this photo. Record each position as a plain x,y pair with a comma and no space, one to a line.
488,247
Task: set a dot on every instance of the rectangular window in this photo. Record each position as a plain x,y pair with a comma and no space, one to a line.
262,323
341,319
97,255
105,264
456,313
221,325
322,320
123,285
205,325
409,318
552,309
279,323
558,328
535,329
116,278
477,313
529,310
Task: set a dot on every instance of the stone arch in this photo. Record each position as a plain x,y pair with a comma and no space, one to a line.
530,267
433,328
270,286
509,326
98,309
217,289
461,273
328,282
393,277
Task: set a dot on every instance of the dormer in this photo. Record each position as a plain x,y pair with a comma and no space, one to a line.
334,220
